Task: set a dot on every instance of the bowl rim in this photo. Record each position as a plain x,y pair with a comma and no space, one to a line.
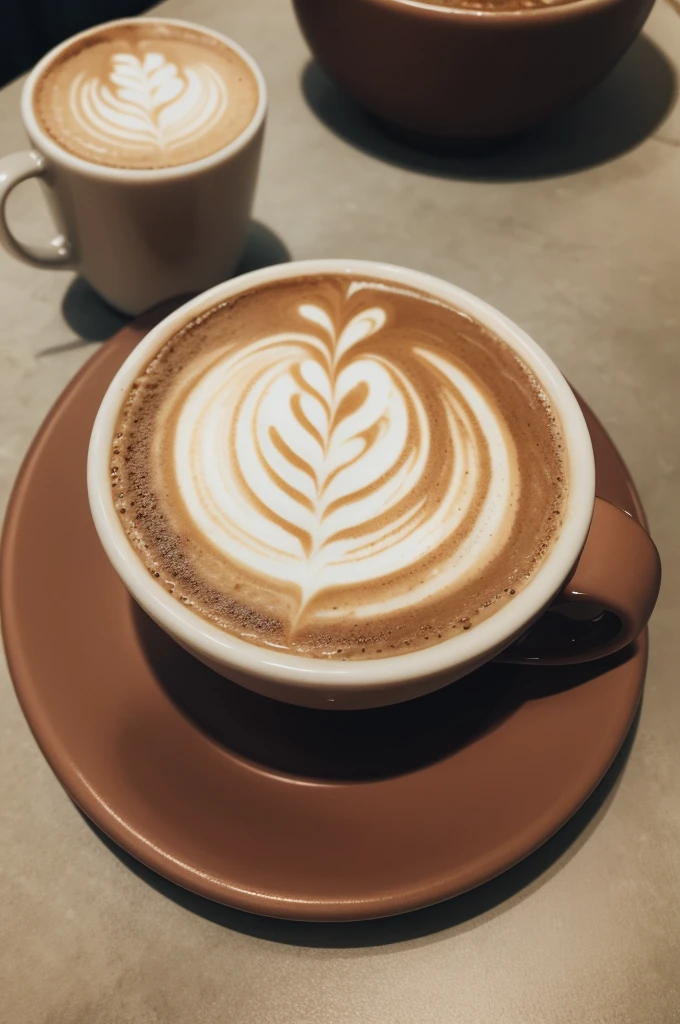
480,643
563,10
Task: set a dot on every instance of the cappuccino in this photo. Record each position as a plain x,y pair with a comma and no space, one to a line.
145,94
339,467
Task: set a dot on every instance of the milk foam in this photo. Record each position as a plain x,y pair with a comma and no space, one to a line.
295,457
149,100
146,94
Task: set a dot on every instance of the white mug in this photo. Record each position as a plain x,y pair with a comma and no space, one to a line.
616,571
138,236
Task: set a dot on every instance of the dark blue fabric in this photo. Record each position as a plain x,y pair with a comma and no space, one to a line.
29,28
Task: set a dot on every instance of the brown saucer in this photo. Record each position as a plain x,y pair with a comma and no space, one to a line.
267,807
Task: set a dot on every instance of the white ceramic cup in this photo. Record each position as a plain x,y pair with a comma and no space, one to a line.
618,571
138,236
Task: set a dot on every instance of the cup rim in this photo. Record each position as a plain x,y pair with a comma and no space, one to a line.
139,175
561,10
481,642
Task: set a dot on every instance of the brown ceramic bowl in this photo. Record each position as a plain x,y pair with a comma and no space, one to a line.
463,74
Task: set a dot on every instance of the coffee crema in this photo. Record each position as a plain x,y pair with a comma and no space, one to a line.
339,467
497,5
145,94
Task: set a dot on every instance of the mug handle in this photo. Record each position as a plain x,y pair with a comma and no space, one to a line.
13,170
607,602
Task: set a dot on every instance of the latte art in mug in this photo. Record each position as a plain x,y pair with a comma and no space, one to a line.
146,95
148,101
339,468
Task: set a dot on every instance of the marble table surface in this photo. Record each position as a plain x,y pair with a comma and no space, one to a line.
574,233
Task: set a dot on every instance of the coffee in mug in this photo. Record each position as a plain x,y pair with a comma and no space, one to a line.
145,94
146,136
339,467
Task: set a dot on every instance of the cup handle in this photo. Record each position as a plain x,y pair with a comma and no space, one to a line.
608,600
13,170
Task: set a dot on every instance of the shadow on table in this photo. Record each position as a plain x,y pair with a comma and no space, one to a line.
382,742
626,108
93,319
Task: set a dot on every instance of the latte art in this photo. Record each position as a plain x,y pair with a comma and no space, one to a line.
339,468
146,94
149,101
320,475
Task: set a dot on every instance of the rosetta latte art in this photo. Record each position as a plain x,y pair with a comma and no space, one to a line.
148,100
319,475
338,468
145,94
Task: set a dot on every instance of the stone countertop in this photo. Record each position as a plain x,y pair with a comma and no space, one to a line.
574,233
